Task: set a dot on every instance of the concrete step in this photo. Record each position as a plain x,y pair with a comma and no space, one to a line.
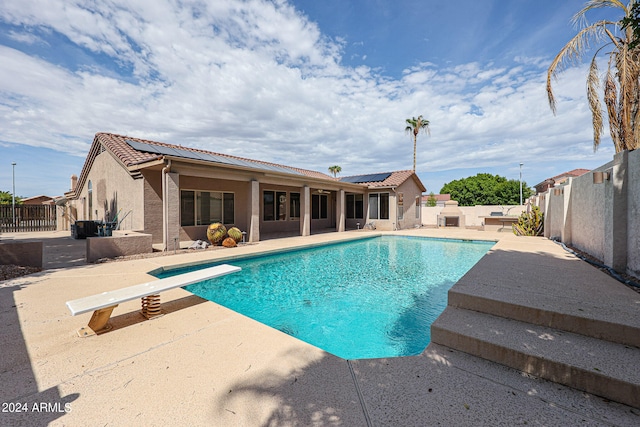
589,364
592,319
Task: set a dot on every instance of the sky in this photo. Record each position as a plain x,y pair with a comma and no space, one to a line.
303,83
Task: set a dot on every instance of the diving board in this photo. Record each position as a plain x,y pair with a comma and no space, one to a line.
103,304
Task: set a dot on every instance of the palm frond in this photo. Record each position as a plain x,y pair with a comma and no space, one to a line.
580,17
571,54
593,83
611,100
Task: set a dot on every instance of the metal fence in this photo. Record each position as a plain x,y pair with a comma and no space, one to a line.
27,218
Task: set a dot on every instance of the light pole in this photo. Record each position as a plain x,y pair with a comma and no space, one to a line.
521,183
13,193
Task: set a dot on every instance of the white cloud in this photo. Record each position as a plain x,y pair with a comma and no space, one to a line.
258,79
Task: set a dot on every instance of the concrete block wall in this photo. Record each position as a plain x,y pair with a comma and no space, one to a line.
601,219
22,253
122,243
473,215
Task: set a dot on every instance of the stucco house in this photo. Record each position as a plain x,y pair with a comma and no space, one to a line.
174,192
559,179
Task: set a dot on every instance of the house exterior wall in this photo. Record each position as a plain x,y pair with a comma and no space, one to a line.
152,196
410,191
114,191
241,191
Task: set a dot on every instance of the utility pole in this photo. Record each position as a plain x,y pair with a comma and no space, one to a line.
521,183
13,194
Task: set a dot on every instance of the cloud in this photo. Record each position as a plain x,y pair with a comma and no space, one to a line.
258,79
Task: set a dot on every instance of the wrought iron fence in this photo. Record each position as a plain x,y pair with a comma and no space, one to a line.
27,218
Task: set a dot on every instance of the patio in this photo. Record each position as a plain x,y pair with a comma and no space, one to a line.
202,364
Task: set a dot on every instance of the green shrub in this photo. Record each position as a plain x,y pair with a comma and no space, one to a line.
530,223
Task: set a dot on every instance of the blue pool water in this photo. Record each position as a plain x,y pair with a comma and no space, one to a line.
370,298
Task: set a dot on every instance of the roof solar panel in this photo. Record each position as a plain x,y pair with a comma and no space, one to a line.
375,177
180,152
141,146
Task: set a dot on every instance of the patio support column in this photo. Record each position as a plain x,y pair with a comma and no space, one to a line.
340,206
172,212
254,220
305,211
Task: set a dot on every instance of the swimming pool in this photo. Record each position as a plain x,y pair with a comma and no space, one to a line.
370,298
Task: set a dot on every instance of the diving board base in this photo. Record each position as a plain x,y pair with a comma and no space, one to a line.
99,322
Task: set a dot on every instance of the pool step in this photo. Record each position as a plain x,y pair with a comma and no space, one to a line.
618,323
586,363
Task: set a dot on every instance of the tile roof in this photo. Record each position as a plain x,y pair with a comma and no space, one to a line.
572,173
394,179
559,178
130,157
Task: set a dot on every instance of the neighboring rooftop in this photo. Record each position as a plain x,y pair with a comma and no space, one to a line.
559,179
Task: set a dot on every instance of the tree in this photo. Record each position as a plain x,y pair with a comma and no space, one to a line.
414,126
335,170
431,200
5,198
632,20
621,84
486,189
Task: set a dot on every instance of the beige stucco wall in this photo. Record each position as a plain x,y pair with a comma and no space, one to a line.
473,215
601,218
242,196
114,190
410,191
586,212
120,244
633,214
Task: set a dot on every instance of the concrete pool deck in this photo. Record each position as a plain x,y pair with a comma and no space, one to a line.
202,364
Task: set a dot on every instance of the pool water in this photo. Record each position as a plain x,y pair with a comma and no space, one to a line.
370,298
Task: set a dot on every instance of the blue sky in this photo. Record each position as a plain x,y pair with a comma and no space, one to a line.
304,83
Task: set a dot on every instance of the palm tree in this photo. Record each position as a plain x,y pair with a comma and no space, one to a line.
413,127
335,170
621,84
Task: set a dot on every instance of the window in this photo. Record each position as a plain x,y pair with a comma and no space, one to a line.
206,207
400,205
294,205
355,206
379,206
418,207
274,205
319,206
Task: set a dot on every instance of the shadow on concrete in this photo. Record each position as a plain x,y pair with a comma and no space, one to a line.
22,402
321,393
132,318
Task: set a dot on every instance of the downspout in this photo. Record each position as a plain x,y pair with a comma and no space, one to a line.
165,207
395,224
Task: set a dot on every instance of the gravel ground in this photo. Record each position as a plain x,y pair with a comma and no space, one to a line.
12,271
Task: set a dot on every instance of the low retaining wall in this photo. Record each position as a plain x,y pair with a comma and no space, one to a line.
25,254
120,244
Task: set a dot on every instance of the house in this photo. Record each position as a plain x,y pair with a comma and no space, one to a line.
38,200
558,179
439,199
174,192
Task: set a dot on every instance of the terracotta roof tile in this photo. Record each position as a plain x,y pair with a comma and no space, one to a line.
117,144
130,157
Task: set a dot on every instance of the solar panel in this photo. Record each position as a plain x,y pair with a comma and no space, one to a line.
141,146
375,177
179,152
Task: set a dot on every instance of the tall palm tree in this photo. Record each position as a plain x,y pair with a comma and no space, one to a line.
335,170
414,126
621,81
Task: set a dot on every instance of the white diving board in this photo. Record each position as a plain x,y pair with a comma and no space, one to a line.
103,304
